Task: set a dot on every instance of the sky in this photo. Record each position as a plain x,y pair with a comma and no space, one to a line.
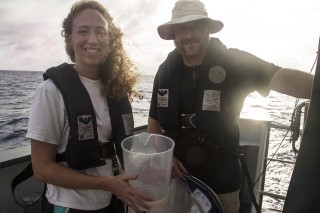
284,32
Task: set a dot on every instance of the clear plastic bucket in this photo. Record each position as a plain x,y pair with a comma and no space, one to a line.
150,157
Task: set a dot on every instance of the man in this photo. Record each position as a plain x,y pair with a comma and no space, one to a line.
198,93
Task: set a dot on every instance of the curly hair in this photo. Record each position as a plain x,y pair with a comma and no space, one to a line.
117,72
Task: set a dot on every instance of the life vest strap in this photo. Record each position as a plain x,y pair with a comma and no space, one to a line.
107,151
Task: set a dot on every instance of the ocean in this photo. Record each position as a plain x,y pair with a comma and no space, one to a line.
18,87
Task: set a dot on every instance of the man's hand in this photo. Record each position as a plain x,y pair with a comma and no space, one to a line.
178,170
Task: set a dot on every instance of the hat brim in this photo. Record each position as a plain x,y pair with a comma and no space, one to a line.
165,30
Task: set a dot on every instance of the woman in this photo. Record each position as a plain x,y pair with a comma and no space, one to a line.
79,112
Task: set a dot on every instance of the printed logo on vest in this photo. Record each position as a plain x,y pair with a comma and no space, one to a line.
202,199
211,100
128,123
217,74
85,127
163,97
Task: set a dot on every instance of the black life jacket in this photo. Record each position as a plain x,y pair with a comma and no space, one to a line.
216,124
241,78
83,150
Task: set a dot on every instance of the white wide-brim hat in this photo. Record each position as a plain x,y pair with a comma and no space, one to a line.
186,11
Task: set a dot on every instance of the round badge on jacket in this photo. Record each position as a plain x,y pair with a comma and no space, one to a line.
217,74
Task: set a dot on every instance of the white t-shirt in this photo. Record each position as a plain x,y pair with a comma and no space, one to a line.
48,122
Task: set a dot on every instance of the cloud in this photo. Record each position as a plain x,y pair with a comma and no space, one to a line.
144,45
283,32
31,34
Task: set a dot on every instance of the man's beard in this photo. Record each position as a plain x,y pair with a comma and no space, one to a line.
191,51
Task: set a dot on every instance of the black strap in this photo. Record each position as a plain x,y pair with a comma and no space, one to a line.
22,176
249,182
115,166
27,172
107,151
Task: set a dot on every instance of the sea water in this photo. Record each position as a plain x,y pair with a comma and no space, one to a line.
18,87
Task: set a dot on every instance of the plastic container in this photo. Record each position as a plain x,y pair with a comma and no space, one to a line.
150,157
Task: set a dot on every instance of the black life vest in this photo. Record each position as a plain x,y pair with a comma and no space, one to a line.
83,150
243,73
216,124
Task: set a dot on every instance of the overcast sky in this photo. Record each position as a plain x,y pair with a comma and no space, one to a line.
285,32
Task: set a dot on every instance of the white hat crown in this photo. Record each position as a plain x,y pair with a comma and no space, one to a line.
186,11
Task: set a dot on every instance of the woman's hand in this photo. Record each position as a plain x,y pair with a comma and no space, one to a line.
131,196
